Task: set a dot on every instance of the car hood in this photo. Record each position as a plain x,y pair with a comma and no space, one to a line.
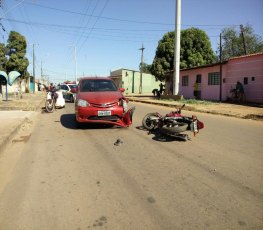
100,97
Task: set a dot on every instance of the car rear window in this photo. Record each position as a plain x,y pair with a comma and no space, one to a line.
97,85
72,86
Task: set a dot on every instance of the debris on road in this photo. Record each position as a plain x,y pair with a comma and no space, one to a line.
118,142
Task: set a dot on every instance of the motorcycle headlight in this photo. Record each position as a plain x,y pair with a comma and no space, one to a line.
82,103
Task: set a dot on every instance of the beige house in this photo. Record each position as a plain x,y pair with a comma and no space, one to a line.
130,81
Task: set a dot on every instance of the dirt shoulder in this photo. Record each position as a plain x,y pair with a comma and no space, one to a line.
245,111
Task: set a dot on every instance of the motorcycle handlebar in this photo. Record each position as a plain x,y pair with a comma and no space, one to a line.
179,110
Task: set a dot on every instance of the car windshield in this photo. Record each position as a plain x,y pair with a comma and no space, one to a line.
97,85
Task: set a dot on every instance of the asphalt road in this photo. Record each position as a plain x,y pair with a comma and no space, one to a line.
54,176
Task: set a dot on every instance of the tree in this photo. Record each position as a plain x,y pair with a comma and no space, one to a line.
16,46
233,42
145,67
3,58
195,51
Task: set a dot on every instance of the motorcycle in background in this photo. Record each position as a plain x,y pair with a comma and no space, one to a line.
54,100
173,124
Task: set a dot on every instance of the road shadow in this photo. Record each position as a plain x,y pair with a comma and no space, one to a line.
68,121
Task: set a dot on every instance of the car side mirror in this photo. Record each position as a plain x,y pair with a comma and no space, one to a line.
74,90
122,89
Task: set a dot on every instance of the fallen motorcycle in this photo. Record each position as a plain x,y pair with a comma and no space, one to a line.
173,124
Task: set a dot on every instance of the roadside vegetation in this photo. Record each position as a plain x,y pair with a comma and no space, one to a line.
191,101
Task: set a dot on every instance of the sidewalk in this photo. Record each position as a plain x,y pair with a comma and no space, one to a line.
28,102
16,112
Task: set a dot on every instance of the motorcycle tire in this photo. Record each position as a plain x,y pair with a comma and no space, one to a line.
147,122
50,107
173,130
71,99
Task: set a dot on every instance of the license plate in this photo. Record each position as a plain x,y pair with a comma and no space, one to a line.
195,129
104,113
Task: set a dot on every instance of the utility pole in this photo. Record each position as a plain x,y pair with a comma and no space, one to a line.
220,56
177,48
34,76
41,73
141,68
75,52
243,38
75,59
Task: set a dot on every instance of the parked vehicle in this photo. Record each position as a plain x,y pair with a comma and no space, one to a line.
68,91
173,124
54,100
98,100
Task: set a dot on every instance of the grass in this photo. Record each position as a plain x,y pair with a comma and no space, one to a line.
192,101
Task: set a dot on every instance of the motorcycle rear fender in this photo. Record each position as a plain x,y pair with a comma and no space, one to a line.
49,96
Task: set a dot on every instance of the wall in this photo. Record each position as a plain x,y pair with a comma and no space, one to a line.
130,81
248,67
208,92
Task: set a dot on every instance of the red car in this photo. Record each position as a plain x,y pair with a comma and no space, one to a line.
98,100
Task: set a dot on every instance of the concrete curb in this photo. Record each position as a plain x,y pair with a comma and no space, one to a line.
6,140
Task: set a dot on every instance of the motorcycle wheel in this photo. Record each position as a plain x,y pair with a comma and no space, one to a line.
49,106
71,99
174,130
148,122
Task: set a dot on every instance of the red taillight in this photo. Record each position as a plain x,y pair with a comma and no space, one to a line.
200,125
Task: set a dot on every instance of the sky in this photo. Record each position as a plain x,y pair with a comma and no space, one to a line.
94,37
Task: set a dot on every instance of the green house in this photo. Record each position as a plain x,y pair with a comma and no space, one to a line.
130,81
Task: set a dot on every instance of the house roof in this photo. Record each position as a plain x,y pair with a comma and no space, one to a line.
113,70
218,63
203,66
248,55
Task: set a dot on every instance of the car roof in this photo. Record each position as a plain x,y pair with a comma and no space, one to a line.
95,78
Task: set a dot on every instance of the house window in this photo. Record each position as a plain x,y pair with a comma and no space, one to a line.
245,80
185,80
214,78
198,78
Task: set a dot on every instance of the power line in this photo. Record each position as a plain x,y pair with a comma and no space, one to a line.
79,38
65,28
95,16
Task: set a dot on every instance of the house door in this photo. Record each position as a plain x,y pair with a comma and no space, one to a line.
198,82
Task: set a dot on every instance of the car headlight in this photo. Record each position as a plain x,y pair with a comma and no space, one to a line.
82,103
124,104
